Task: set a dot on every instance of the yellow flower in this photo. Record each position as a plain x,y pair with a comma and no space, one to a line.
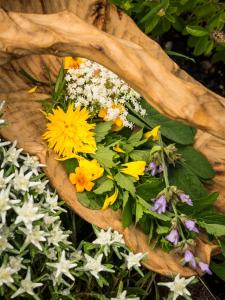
154,134
69,132
73,63
82,179
93,167
32,90
110,200
118,149
117,122
134,168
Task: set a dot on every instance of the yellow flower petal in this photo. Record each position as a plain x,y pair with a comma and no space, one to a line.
73,63
32,90
110,177
134,168
93,167
154,134
110,200
118,149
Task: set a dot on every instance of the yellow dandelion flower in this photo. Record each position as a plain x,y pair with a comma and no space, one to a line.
110,200
134,168
154,134
81,179
69,132
73,62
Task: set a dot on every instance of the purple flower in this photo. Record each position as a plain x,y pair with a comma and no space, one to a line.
186,199
160,205
189,258
173,236
190,225
204,267
152,167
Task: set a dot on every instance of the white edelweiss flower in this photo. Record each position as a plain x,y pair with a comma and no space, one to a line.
94,265
104,238
32,163
52,202
40,187
133,260
15,263
27,286
50,220
28,213
6,275
52,254
22,182
57,235
178,286
34,236
122,296
11,155
4,244
5,180
76,255
63,267
4,203
117,238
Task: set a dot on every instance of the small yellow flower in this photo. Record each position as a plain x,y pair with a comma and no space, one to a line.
110,200
134,168
154,134
117,122
118,149
81,179
73,63
93,167
69,133
32,90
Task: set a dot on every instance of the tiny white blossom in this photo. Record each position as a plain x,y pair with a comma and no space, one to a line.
27,286
117,238
40,187
32,163
52,202
57,235
34,236
63,267
178,286
94,265
6,275
11,155
28,213
122,296
133,260
22,182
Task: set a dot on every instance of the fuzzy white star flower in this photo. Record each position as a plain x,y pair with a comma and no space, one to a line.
52,202
178,286
27,286
57,235
133,260
123,296
32,163
6,275
11,155
40,187
15,263
117,238
28,213
104,237
52,254
50,220
5,180
94,265
22,182
4,203
63,267
34,236
4,244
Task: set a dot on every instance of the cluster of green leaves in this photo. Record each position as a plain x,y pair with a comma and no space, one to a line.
201,20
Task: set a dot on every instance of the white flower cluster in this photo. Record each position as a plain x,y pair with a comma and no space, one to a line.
34,247
2,121
95,87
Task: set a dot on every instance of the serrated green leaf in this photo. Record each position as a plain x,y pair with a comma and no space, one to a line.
197,162
101,130
150,189
198,31
104,156
87,200
137,155
125,182
106,186
127,214
214,229
125,198
139,211
135,138
162,229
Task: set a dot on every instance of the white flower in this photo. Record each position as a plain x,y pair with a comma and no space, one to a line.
5,180
4,203
63,267
34,236
6,275
52,202
11,155
32,163
27,286
178,286
50,220
94,266
133,260
16,263
40,187
4,244
117,238
51,253
21,182
28,213
122,296
57,235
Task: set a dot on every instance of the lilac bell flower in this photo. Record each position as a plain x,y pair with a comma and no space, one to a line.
160,205
204,267
189,258
173,236
190,225
186,199
152,167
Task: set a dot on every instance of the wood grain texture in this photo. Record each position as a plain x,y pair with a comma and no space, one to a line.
27,40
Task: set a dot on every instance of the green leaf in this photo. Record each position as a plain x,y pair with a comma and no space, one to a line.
137,155
214,229
106,186
162,229
197,162
218,269
70,165
125,198
173,130
150,188
104,156
173,53
164,4
203,45
127,214
125,182
135,138
139,211
222,245
152,24
89,200
198,31
101,130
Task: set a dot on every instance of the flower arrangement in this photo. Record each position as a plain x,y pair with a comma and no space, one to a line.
120,153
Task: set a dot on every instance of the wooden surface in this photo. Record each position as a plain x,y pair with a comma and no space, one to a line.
27,39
